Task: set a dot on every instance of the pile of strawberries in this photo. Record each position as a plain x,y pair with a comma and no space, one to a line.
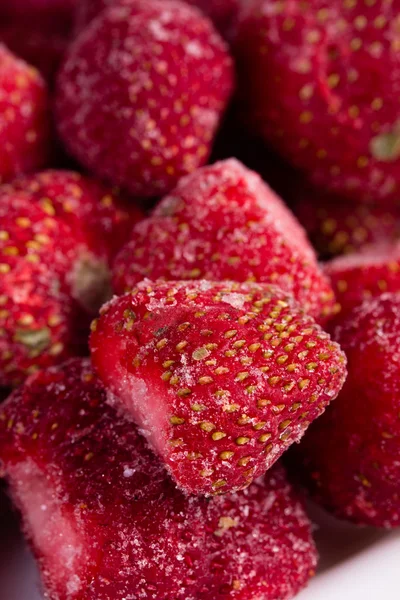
129,232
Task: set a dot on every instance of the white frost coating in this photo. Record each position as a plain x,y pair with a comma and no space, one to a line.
234,299
128,472
159,32
194,48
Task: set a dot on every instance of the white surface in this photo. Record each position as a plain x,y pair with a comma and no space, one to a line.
356,564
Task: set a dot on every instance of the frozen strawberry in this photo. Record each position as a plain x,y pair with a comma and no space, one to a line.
223,13
58,234
141,93
223,222
100,217
104,518
368,273
351,455
36,310
267,510
220,377
24,121
337,227
320,81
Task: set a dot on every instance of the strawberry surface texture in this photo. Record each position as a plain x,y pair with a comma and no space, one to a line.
320,81
25,121
220,377
160,76
105,520
350,456
224,222
58,235
368,273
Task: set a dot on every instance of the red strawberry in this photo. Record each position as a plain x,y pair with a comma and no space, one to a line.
320,80
36,310
365,274
104,519
223,222
351,455
58,234
220,377
99,216
276,569
337,227
144,118
24,122
223,13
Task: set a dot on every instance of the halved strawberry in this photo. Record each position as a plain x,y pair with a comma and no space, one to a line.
105,520
223,222
220,377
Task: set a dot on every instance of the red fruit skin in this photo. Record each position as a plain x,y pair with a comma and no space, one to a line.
161,109
350,456
24,126
36,309
223,222
320,81
220,377
112,509
336,227
59,232
223,13
366,274
272,570
99,216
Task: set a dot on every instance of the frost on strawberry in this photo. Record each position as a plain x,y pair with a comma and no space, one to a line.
36,311
24,123
224,222
58,234
319,80
99,216
350,457
244,565
105,520
159,76
220,377
365,274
